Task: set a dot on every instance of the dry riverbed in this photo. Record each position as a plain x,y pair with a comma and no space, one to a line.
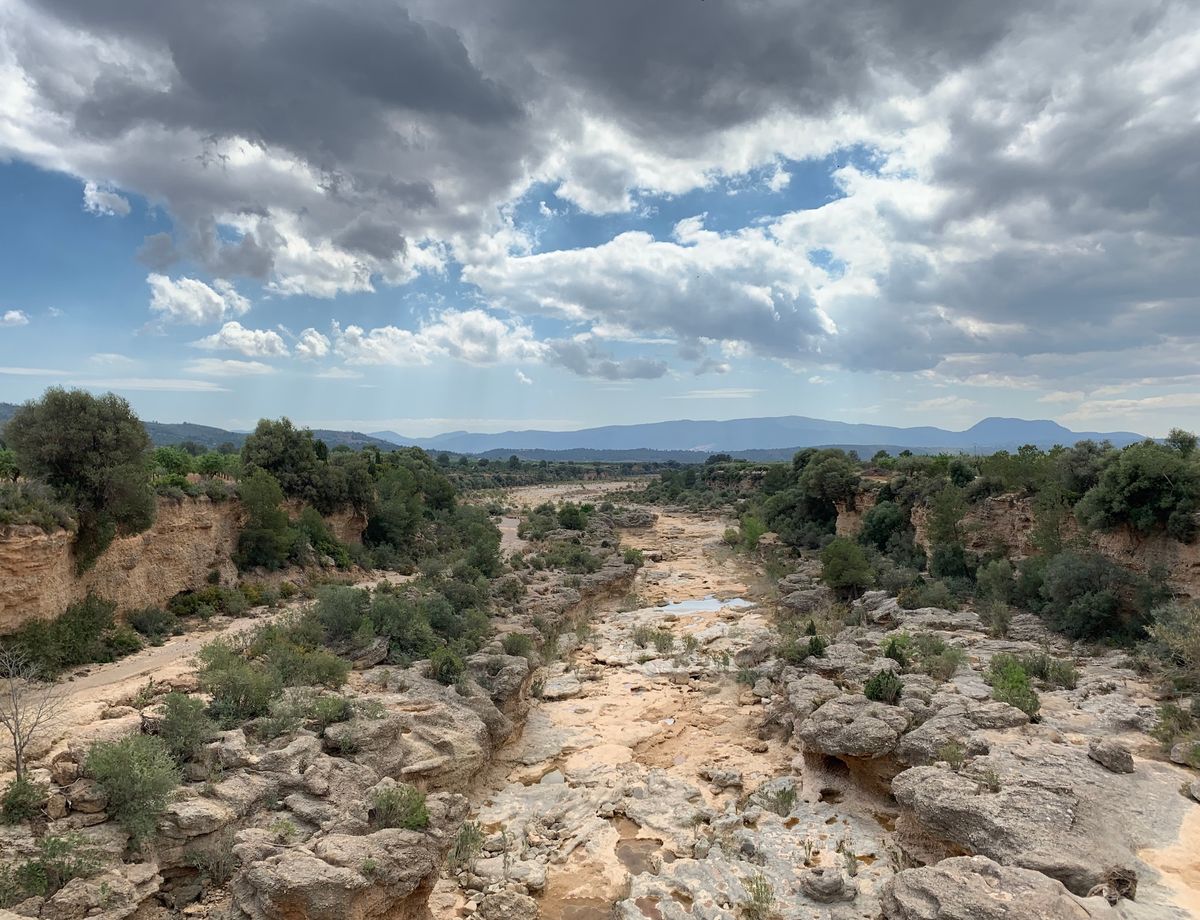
641,779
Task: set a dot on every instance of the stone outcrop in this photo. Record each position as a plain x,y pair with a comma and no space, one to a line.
190,539
976,888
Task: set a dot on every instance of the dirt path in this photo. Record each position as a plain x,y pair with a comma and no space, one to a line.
92,695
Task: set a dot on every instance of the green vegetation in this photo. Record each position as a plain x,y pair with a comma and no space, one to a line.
138,775
59,859
845,567
1011,684
21,800
399,806
185,727
92,452
884,687
87,632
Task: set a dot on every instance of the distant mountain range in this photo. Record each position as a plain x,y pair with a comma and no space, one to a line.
163,434
787,432
684,440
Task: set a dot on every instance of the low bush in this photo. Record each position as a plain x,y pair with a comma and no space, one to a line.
1053,672
154,623
928,594
185,727
60,858
884,687
84,634
22,800
518,644
240,690
399,806
633,557
329,710
445,666
1011,684
138,775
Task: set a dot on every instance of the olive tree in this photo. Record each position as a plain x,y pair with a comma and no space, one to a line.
93,452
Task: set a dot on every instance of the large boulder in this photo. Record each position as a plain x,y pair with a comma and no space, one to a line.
507,905
388,873
853,726
976,888
1052,812
1111,755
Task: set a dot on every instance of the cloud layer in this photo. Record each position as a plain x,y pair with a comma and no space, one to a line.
1016,186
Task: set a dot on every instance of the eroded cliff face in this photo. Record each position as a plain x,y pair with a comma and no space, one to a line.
1007,522
188,540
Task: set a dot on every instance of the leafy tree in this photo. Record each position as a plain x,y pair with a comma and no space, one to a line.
267,538
946,512
92,451
881,523
1082,596
1148,486
1182,441
8,464
173,460
845,567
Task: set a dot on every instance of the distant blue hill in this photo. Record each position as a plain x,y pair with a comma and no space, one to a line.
751,434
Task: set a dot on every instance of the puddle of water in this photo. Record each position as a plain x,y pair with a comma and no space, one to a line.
708,604
635,853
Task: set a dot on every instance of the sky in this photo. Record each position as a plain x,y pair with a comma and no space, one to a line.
441,214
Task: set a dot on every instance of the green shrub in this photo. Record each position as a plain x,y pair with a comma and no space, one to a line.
185,727
399,806
1053,672
1010,684
518,644
22,800
572,517
928,594
634,557
896,648
445,665
240,690
884,687
138,775
468,844
153,622
844,566
328,710
85,633
60,858
816,646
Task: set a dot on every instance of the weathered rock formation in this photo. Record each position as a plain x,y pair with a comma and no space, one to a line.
189,540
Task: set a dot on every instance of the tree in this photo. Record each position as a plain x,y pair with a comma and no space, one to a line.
286,452
1147,486
844,566
881,523
514,462
28,704
92,451
8,464
267,537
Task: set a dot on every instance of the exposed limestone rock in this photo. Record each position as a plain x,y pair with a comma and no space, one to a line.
507,905
852,725
110,895
957,720
1052,813
387,873
976,888
1111,755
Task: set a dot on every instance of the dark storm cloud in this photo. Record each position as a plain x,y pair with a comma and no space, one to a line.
1051,150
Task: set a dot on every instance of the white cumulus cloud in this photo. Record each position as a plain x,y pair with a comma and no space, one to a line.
14,318
191,301
254,343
